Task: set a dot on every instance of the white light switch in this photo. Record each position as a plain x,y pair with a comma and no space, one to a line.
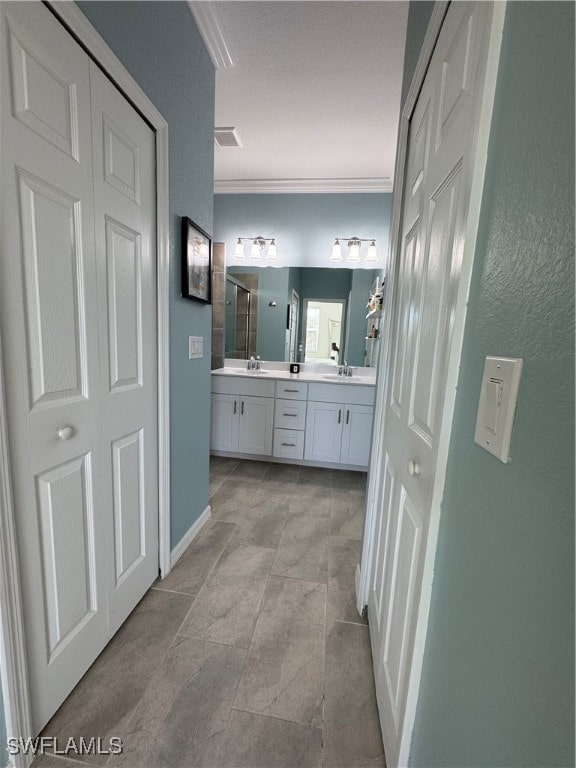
195,347
497,405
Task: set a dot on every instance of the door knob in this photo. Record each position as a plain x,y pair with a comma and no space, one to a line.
65,433
413,468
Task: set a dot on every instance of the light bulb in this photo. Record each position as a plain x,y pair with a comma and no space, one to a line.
354,250
336,251
271,254
255,251
372,254
239,250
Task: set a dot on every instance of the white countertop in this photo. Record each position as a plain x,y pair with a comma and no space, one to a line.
317,378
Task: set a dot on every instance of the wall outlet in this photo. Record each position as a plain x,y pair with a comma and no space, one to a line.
195,347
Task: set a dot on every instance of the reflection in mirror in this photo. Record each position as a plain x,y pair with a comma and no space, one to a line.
276,327
323,331
237,320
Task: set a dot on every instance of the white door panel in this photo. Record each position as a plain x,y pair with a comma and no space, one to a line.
49,337
435,207
124,205
78,485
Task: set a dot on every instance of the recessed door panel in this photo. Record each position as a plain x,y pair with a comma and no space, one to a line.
43,98
456,76
121,160
384,541
50,221
66,512
123,256
399,639
406,318
129,508
435,326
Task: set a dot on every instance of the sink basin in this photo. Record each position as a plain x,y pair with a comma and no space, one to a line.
336,377
256,373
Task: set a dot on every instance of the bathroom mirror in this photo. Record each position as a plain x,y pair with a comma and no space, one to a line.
297,314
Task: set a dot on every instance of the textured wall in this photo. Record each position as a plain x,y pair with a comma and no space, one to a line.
419,14
497,685
305,225
159,45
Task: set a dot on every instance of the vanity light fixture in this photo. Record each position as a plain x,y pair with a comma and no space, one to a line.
262,248
354,245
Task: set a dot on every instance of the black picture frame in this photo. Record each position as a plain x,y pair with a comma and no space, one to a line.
196,262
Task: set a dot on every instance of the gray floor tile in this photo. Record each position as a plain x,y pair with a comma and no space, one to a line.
192,569
351,727
348,479
55,761
104,699
232,495
255,741
347,517
282,473
250,470
303,549
186,708
308,505
227,605
222,465
343,557
284,671
216,482
261,523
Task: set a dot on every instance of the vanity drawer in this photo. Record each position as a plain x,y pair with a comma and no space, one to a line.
288,444
242,385
290,414
292,390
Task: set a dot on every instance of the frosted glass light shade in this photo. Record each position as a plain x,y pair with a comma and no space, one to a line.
354,251
372,254
239,250
255,250
336,251
271,253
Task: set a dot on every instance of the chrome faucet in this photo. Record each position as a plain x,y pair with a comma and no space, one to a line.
254,364
345,370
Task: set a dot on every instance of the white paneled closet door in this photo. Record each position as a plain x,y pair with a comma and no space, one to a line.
84,471
439,168
125,234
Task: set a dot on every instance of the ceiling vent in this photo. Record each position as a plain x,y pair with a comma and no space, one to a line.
226,137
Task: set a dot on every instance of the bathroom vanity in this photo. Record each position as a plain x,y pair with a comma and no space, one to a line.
310,418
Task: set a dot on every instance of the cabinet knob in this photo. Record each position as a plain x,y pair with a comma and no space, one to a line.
65,433
413,468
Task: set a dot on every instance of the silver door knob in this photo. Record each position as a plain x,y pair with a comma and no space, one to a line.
65,433
413,468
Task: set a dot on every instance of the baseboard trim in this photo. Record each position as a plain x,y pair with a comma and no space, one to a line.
189,536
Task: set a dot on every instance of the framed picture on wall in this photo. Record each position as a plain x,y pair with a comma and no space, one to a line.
196,262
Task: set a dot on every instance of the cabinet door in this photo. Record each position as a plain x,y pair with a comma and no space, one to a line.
356,434
256,424
225,416
323,431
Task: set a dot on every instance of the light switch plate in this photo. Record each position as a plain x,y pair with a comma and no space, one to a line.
497,405
195,347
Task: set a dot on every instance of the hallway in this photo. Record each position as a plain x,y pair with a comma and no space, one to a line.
251,653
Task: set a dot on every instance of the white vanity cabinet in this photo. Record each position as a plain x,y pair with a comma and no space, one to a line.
339,424
242,415
290,419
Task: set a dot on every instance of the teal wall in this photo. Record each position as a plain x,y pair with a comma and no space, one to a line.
159,45
304,225
497,684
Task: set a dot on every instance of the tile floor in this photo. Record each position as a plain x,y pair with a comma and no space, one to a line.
251,653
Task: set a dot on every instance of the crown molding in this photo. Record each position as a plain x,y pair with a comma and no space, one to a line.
209,25
279,186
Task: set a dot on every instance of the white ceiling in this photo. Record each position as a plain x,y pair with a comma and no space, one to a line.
312,88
